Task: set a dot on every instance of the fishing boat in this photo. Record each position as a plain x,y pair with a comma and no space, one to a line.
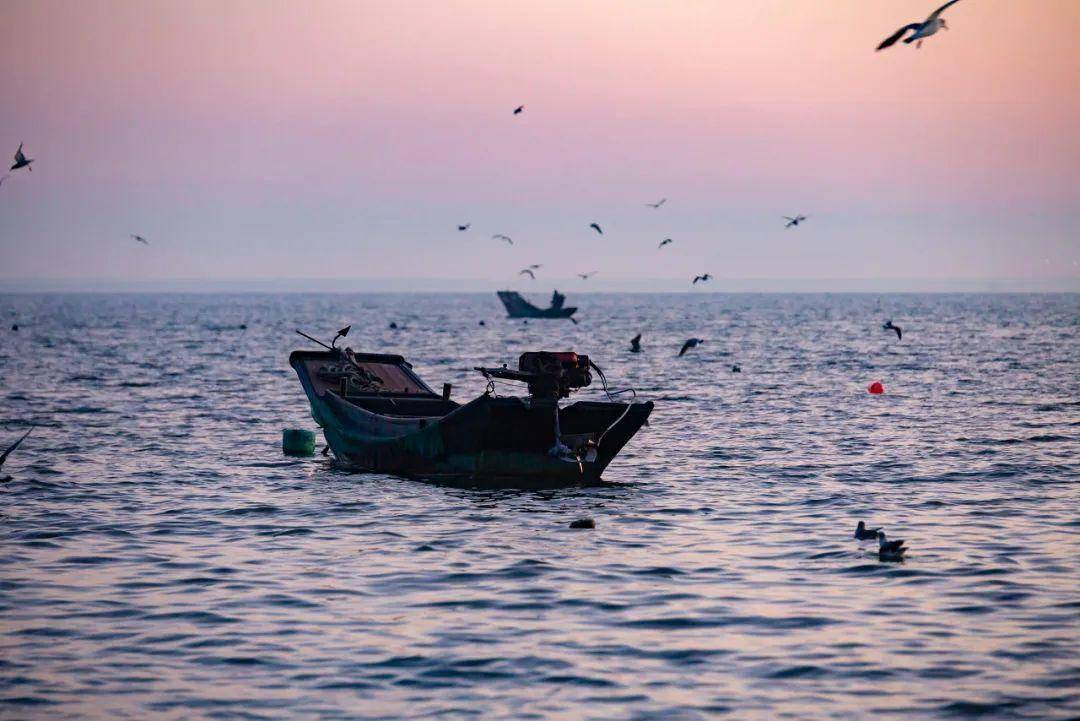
517,307
378,415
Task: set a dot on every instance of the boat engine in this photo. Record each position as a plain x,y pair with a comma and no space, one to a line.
550,375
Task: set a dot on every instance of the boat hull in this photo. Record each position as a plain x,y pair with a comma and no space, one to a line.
496,439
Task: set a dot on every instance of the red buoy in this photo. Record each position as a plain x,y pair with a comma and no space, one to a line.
876,388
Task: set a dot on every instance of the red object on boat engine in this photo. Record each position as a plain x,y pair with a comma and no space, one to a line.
555,374
876,388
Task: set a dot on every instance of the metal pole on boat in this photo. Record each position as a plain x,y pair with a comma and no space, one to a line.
315,340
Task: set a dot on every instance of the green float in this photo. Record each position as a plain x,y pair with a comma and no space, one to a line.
297,442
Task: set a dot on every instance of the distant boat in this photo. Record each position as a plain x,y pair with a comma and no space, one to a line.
518,307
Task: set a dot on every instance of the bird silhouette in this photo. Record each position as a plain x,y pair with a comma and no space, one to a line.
519,109
888,325
140,239
534,266
925,29
527,272
690,343
703,277
21,161
635,344
665,241
863,533
793,221
657,204
890,550
500,236
596,227
586,276
464,227
12,447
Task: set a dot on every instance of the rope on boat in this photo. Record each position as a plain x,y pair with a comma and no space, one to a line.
560,450
611,399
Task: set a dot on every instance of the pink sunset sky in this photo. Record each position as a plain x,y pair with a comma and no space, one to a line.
348,139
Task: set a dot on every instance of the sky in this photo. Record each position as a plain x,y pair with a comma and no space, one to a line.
255,140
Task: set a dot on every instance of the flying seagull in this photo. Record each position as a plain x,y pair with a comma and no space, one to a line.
519,109
691,343
500,236
889,326
793,221
464,227
13,446
527,272
140,239
21,161
535,266
596,227
635,344
925,29
665,241
890,550
657,204
703,277
863,533
586,276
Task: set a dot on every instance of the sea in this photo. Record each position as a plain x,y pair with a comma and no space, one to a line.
162,559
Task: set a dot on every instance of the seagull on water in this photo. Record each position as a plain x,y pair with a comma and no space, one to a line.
863,533
657,204
519,110
596,227
665,241
925,29
13,446
586,276
890,550
888,325
140,239
635,344
793,221
464,227
702,277
506,238
527,272
690,343
21,161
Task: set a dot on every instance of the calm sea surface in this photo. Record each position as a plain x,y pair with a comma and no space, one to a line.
162,559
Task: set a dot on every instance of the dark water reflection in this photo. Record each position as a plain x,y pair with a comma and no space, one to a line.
161,558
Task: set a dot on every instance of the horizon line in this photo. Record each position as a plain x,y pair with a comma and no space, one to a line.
45,285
